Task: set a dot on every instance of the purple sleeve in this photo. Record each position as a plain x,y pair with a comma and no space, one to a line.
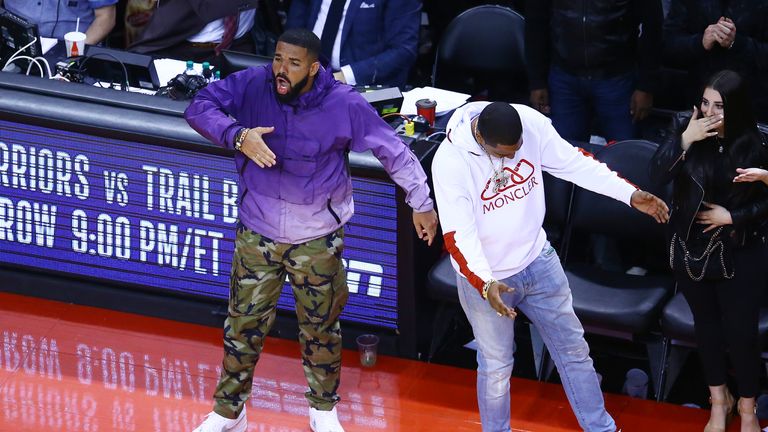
214,112
370,132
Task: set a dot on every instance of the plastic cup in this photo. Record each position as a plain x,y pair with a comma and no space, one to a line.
367,345
636,384
426,108
75,43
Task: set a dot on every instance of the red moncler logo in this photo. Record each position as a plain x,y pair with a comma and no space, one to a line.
521,182
518,175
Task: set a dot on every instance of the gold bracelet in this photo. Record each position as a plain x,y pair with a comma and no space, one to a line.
242,134
486,287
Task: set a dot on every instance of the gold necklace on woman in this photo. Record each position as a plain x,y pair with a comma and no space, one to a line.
500,177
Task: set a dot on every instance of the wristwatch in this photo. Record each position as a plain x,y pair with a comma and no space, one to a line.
240,137
486,287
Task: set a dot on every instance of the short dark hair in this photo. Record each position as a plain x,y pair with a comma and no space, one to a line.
499,123
303,38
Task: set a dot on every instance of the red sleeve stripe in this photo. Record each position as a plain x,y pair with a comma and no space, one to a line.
450,245
591,156
585,153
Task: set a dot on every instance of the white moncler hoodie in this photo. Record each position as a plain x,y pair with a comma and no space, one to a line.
496,235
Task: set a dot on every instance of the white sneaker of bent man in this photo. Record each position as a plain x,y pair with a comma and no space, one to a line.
216,423
324,421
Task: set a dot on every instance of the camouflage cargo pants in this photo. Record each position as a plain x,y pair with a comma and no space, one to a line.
259,268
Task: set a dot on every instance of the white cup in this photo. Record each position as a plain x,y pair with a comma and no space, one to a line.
636,384
75,39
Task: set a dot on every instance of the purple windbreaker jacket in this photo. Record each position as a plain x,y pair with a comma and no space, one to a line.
308,192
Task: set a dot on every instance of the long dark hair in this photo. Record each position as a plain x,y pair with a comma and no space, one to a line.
740,122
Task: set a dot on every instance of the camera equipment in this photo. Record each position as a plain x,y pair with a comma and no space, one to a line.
184,86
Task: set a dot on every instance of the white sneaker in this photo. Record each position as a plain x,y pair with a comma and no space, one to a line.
324,421
216,423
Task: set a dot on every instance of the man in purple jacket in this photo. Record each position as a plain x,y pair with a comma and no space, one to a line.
292,127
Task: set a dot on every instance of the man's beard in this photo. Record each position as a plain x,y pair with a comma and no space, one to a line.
293,93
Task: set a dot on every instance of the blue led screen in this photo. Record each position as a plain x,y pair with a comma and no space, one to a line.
161,217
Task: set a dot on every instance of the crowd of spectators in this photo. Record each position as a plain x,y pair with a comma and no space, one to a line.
594,66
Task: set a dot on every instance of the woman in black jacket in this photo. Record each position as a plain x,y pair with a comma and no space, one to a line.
702,157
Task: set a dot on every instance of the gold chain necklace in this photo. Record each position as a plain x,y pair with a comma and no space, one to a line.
500,178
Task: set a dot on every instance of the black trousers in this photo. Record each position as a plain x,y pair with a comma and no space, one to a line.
726,314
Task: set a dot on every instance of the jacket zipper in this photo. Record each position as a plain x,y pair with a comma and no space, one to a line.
679,158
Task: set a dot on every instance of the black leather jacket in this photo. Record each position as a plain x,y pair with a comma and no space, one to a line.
747,202
594,39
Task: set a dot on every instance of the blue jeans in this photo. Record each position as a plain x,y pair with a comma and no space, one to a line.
574,99
542,293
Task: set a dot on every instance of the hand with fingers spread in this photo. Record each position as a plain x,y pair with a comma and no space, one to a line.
700,128
751,175
651,205
494,298
256,149
715,217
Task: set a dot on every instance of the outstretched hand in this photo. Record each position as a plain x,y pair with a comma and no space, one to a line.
751,175
256,149
651,205
494,298
426,225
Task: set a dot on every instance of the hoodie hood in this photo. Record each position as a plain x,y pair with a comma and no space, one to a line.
459,128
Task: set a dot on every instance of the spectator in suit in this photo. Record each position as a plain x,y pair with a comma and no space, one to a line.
366,42
705,36
54,18
593,57
197,30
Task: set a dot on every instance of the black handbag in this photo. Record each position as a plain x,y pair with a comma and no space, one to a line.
704,258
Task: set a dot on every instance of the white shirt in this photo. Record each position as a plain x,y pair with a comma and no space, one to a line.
498,234
322,16
214,30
